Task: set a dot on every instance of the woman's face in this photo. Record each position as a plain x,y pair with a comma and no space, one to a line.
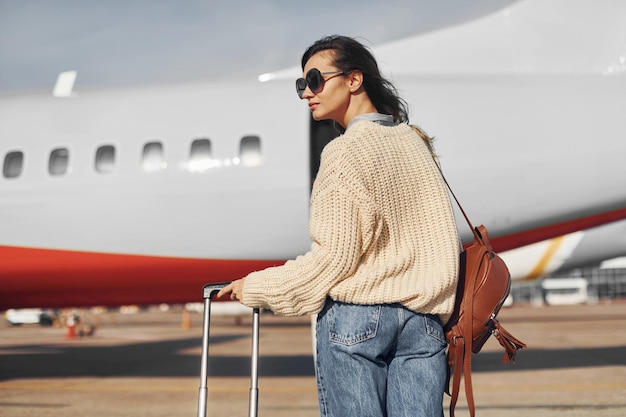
331,102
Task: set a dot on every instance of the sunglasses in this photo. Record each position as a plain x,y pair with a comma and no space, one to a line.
314,81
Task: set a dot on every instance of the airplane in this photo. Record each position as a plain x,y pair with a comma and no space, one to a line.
142,195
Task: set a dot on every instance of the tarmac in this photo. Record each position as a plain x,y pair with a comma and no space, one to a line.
148,364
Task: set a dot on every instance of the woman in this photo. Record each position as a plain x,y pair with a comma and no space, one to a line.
383,264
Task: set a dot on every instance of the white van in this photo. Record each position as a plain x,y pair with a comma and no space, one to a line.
16,317
562,291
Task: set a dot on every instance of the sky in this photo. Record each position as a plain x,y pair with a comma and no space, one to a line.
143,42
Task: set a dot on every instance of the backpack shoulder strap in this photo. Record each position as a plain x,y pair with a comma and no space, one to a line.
460,347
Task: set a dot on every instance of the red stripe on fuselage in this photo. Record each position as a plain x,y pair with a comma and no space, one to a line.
60,278
519,239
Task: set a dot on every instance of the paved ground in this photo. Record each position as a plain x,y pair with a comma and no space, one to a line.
146,364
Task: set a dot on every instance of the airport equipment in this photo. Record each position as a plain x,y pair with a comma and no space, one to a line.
209,292
565,291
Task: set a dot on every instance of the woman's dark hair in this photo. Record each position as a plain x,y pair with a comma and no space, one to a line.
349,55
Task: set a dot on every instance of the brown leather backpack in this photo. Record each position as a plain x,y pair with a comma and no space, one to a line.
484,284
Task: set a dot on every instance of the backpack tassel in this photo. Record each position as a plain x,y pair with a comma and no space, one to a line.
510,344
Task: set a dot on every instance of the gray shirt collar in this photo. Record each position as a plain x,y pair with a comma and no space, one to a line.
382,119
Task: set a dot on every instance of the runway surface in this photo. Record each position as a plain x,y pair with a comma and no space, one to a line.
147,364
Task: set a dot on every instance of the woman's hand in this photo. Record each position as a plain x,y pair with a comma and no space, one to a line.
235,289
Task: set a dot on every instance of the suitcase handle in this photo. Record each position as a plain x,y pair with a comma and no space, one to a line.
209,291
253,403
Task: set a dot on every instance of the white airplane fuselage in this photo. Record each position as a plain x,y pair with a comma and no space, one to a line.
106,199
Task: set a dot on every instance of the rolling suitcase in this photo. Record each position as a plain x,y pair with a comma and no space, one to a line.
210,290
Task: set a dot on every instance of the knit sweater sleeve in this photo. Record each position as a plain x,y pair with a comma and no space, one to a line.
342,223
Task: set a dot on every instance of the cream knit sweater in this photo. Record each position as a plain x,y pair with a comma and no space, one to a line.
382,230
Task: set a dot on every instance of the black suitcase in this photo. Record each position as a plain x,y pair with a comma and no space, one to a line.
210,290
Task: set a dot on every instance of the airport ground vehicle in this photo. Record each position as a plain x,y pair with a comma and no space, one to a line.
16,317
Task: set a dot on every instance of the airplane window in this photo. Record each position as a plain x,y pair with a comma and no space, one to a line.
152,158
200,155
105,159
250,151
13,163
59,161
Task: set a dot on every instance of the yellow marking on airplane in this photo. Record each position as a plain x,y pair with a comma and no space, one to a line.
541,266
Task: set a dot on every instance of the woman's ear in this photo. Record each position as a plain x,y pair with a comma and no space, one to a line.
355,79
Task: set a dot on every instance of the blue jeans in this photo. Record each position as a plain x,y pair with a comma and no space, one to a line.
379,361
